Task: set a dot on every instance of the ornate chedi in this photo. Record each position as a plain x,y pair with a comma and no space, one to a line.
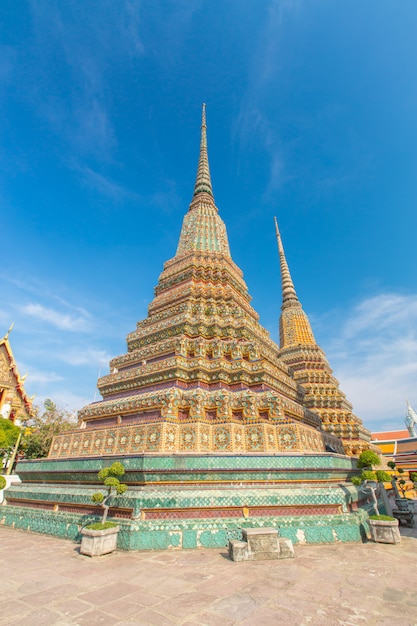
213,427
299,350
201,374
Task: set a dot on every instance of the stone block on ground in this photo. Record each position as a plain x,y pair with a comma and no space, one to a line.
260,544
286,548
238,550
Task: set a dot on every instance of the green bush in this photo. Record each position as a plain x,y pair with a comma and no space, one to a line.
382,476
368,475
368,458
109,476
383,518
2,482
43,426
97,497
9,434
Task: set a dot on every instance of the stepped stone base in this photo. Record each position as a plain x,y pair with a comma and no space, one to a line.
190,501
191,533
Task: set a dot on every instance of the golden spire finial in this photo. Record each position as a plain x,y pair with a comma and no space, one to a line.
203,180
288,290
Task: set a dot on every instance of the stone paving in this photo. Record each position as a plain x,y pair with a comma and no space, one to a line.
45,581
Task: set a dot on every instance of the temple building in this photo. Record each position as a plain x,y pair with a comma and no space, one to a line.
219,428
15,404
400,446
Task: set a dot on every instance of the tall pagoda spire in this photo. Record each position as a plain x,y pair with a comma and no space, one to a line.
288,290
203,230
203,180
294,326
299,350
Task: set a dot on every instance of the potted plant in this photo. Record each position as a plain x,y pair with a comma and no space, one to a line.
402,502
383,528
101,537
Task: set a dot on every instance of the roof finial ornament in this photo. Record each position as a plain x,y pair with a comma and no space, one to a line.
411,420
288,290
203,180
6,336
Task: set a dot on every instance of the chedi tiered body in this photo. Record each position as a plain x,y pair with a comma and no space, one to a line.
201,374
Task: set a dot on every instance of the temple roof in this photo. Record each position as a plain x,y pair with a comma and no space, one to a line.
390,435
15,404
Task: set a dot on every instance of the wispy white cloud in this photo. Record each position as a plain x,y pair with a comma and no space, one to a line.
92,129
374,355
88,41
62,321
86,356
166,198
65,400
41,378
254,126
17,289
288,135
391,313
56,339
105,185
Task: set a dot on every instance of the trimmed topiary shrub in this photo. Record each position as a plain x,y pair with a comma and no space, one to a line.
110,477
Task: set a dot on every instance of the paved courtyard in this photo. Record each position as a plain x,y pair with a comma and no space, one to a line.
46,581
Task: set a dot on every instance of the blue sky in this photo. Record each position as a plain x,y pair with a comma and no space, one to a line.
311,112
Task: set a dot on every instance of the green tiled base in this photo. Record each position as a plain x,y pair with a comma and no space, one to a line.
189,501
188,534
138,499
